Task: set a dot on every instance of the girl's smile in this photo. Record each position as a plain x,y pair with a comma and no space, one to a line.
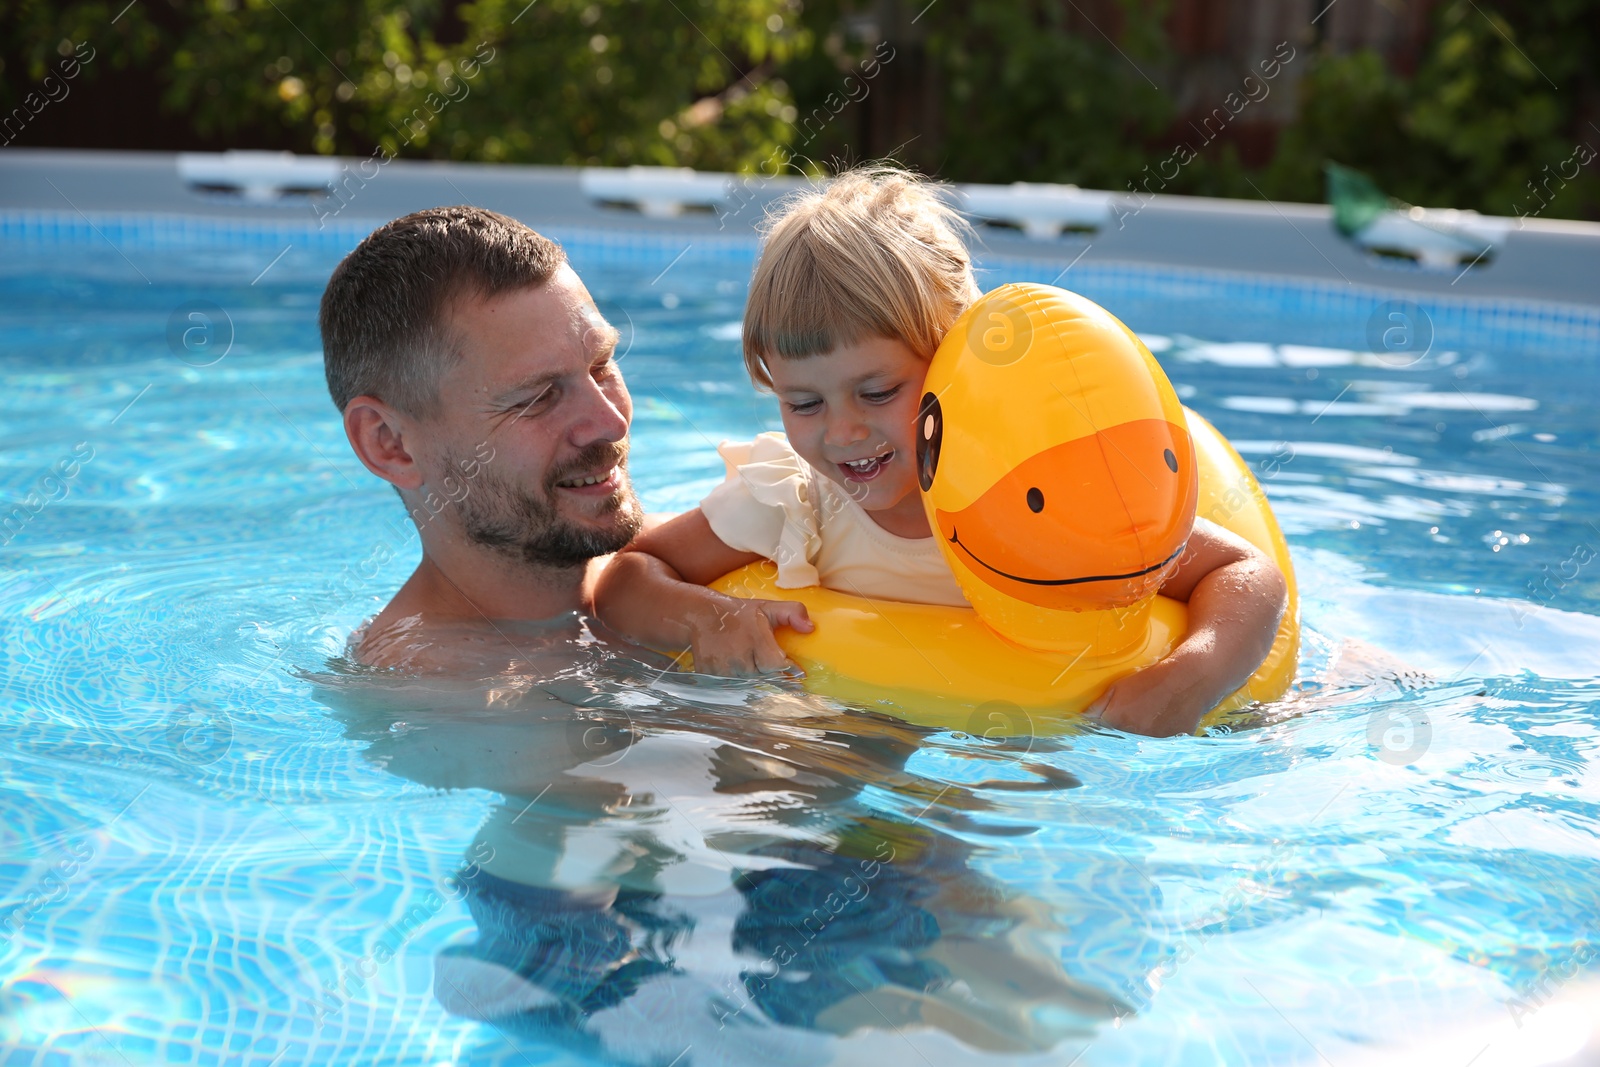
864,470
851,414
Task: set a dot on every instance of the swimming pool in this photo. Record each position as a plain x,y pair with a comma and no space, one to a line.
225,845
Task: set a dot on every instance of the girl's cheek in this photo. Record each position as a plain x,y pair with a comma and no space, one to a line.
796,430
906,421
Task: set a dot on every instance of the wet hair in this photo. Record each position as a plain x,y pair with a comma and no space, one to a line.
385,313
875,253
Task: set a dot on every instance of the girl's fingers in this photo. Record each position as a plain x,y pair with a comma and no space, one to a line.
770,658
788,613
800,619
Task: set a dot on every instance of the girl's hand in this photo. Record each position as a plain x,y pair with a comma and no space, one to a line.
1236,597
734,638
1165,698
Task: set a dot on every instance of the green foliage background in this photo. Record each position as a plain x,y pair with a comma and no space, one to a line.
1501,100
1016,89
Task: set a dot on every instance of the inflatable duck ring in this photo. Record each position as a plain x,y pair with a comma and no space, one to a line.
1062,478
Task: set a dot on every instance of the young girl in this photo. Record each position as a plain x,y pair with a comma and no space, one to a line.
856,286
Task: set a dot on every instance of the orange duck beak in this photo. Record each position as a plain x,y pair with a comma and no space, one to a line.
1094,523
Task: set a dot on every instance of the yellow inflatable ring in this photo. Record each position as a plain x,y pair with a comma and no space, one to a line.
1062,478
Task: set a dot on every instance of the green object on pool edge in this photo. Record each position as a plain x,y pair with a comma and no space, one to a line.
1357,201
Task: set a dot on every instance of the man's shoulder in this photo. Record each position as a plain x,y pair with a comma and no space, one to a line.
391,638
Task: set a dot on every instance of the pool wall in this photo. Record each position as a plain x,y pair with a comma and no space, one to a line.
1225,304
1551,262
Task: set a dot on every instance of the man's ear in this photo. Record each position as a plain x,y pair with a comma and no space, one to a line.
377,433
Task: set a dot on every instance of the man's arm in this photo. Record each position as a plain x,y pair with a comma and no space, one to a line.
654,593
1236,597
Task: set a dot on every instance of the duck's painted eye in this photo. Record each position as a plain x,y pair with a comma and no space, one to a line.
930,434
1172,460
1035,501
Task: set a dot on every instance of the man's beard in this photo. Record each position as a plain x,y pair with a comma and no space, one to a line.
527,526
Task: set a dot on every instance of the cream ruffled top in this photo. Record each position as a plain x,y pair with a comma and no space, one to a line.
774,504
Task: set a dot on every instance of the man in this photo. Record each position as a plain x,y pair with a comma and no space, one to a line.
476,376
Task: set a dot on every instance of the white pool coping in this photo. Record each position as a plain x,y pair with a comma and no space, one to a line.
1538,259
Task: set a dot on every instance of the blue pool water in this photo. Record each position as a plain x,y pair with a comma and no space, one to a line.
223,844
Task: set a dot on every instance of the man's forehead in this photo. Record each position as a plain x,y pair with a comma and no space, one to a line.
559,300
510,335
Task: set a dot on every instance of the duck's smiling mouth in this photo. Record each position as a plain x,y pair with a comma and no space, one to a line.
956,540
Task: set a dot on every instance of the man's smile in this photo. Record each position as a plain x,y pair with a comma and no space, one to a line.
598,472
599,483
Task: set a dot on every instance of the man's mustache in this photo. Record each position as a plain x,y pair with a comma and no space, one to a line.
599,456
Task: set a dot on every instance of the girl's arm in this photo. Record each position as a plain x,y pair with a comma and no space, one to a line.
653,592
1236,597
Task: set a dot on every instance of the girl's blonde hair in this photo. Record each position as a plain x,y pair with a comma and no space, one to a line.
875,253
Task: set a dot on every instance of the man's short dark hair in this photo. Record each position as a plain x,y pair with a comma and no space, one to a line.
385,312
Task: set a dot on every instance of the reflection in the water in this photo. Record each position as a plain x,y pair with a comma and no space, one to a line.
681,867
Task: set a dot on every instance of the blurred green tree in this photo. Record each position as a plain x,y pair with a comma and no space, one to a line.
685,82
36,35
554,81
1036,91
1498,116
